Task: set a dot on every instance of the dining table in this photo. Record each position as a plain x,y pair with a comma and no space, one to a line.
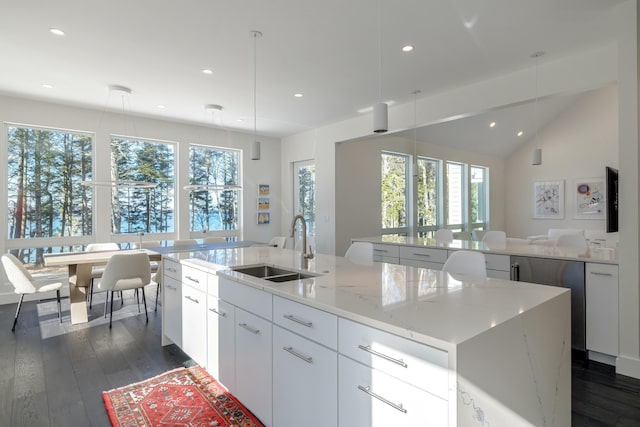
81,263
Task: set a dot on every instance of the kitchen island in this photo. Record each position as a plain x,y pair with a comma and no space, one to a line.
371,345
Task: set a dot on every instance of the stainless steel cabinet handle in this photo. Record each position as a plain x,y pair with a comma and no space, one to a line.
368,349
294,319
173,288
380,250
219,313
307,359
427,255
173,270
192,299
598,273
249,328
515,272
397,406
192,279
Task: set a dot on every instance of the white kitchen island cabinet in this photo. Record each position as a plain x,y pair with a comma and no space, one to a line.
384,344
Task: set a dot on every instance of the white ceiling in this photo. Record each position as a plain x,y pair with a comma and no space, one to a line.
326,50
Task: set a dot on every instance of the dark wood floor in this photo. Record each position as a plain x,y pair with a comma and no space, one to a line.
53,375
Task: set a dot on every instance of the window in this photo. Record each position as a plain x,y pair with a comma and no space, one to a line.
216,207
394,179
454,202
137,209
478,197
427,197
305,193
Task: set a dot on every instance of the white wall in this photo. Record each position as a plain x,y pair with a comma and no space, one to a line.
358,188
264,171
579,143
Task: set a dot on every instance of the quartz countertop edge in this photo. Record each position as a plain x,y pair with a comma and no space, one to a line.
426,306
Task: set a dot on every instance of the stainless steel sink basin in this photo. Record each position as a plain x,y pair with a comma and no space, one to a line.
273,274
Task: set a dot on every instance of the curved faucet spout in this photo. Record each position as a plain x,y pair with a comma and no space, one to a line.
305,256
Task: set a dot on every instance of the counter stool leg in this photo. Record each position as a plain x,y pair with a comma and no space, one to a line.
15,319
59,305
144,300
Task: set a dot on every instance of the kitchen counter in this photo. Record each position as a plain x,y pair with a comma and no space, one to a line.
597,255
503,338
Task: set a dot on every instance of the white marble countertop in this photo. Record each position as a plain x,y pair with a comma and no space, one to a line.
598,255
427,306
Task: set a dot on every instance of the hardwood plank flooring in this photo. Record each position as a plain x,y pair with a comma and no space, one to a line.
53,374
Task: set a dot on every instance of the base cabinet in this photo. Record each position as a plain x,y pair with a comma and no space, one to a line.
221,341
172,309
601,295
371,398
304,382
253,386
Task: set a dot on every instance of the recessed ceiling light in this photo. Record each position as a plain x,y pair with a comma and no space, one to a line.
520,133
407,48
56,31
47,86
207,71
297,95
161,107
492,124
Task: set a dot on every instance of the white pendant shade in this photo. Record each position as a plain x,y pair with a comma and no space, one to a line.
255,150
380,117
536,156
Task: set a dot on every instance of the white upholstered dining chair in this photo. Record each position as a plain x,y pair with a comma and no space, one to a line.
279,242
126,271
470,263
213,239
443,235
23,283
360,253
96,271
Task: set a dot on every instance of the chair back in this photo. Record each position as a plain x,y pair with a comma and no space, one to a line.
213,239
360,253
478,235
147,244
126,271
495,237
443,235
470,263
185,242
279,241
110,246
19,277
572,241
462,235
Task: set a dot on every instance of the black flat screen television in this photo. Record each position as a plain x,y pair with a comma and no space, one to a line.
611,176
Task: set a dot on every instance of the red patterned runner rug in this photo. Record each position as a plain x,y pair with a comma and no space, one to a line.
187,397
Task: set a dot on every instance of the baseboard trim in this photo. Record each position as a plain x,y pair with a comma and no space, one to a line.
628,366
602,358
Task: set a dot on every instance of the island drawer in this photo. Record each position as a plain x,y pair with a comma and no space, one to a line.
375,398
386,253
498,262
421,365
194,277
250,299
173,269
309,322
423,254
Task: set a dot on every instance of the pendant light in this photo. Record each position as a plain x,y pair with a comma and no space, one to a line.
536,155
380,110
255,144
415,132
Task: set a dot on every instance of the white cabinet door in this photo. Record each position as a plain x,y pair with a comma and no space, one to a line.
221,341
305,385
371,398
601,294
253,364
386,253
172,310
194,321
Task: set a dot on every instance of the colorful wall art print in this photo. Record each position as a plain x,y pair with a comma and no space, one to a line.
263,189
263,218
589,198
548,199
263,203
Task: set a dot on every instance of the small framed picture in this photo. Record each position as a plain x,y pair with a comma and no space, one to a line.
589,198
263,218
263,189
548,199
263,203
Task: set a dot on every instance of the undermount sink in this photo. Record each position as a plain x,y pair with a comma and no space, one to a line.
273,274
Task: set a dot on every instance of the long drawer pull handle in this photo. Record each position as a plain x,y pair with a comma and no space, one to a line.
307,359
192,279
598,273
173,288
294,319
249,328
173,270
368,349
381,250
219,313
367,390
192,299
417,254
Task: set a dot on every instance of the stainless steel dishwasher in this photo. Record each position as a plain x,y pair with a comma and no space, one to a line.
554,272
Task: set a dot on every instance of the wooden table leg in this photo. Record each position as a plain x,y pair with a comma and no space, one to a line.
79,281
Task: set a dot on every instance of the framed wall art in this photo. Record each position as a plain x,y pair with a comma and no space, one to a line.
264,218
548,199
263,189
589,198
263,203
